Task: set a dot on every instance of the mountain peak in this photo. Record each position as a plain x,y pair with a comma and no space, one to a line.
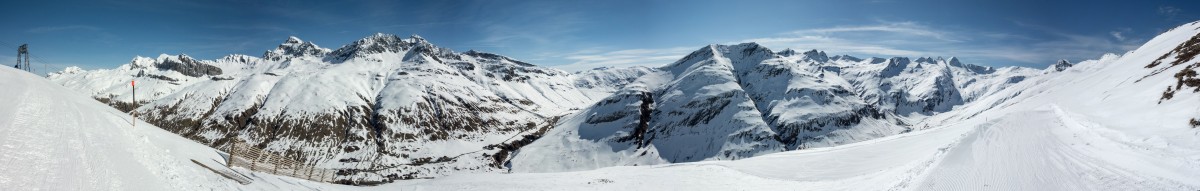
497,57
743,51
416,37
954,62
895,66
1061,65
815,55
753,45
293,40
378,38
391,39
846,57
925,60
739,54
787,52
380,35
240,58
376,43
294,47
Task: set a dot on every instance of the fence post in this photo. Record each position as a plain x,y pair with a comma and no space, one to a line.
296,170
254,156
310,169
232,148
254,163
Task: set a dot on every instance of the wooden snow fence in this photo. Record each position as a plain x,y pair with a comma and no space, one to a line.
247,156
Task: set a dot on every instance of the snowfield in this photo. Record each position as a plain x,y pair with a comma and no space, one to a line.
55,139
1098,125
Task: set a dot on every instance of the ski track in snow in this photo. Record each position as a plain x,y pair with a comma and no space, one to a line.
39,161
1036,150
51,143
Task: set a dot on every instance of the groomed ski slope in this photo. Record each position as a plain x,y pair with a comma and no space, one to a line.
54,139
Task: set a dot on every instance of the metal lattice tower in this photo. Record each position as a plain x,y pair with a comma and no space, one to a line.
23,58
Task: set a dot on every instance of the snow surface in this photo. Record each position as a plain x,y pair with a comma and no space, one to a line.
1090,127
55,139
1098,125
404,96
727,102
1094,126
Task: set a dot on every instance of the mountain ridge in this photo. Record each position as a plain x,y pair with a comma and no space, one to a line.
384,102
724,102
401,103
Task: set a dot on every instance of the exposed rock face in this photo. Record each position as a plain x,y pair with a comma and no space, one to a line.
188,66
1060,65
1187,78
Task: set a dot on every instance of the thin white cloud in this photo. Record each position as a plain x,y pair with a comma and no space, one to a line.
908,39
255,28
881,39
1169,11
831,44
1117,35
535,26
1076,46
589,59
47,29
902,28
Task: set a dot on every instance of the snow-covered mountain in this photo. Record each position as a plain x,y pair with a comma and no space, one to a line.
1120,122
385,107
389,108
725,102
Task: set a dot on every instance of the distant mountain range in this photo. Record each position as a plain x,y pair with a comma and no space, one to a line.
385,107
725,102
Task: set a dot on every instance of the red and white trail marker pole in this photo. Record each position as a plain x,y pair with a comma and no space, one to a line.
133,88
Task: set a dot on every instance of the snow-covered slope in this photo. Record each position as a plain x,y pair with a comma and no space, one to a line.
725,102
1105,124
398,107
1046,148
404,108
1100,125
1121,122
54,139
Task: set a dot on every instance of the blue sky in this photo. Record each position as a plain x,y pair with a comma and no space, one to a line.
576,35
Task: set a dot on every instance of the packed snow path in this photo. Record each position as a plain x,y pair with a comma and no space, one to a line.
50,142
1047,150
52,138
